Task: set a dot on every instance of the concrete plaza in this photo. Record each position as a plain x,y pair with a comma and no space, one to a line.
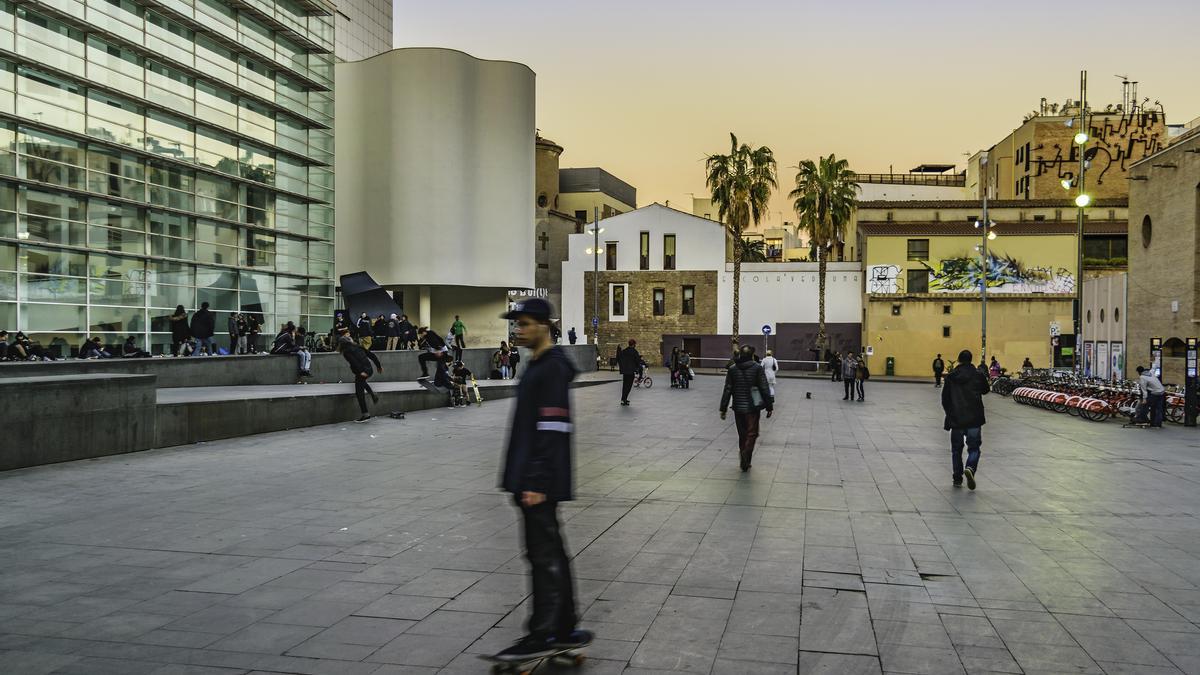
385,548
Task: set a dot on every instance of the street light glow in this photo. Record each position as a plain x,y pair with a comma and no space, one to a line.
1066,183
992,235
1081,138
1082,200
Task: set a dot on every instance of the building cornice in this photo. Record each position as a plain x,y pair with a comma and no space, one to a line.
964,229
882,205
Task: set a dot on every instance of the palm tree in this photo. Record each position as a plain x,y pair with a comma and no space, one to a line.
826,195
754,251
741,184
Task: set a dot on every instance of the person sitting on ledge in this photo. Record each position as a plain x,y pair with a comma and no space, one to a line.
91,349
3,345
285,343
130,350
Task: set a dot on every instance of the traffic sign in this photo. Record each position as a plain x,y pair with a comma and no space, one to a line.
595,321
767,329
1055,329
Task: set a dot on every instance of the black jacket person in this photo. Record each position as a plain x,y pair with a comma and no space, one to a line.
360,361
537,471
962,399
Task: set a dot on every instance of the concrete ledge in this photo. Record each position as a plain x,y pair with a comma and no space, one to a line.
236,371
207,420
67,417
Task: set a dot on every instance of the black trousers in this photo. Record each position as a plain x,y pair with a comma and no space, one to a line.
849,386
626,386
553,590
361,389
937,378
426,358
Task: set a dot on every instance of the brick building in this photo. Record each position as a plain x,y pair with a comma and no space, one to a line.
1164,247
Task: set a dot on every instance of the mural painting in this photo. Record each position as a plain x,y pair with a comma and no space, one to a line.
1004,274
1114,144
884,279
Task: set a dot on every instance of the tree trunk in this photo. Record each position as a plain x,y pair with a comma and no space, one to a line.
821,303
737,283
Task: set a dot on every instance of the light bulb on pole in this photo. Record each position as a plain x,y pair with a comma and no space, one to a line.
1082,200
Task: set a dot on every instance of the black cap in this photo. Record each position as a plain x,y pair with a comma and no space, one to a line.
534,308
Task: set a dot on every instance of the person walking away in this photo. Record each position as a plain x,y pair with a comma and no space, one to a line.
962,399
1154,394
232,326
203,327
770,366
1026,366
537,472
835,366
673,363
746,385
849,366
360,361
995,368
180,331
393,332
433,345
629,362
364,328
939,367
861,375
571,335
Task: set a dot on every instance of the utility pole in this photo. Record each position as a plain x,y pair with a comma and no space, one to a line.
596,277
1081,201
985,264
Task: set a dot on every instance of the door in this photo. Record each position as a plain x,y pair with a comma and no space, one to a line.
692,346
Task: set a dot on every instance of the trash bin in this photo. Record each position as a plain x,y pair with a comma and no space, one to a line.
891,366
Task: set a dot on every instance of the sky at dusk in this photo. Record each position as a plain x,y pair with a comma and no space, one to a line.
647,88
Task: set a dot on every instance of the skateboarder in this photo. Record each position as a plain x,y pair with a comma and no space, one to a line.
962,399
537,471
360,361
434,348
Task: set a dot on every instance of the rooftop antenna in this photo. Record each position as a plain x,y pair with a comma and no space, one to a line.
1124,91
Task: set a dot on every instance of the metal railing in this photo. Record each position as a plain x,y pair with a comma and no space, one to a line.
954,180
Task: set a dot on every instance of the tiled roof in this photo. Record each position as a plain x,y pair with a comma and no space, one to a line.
994,203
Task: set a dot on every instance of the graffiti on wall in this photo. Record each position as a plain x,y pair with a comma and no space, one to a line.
884,279
1113,145
1004,274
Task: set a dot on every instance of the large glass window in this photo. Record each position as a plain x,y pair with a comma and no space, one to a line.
689,300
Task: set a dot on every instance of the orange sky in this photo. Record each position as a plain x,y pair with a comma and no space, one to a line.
646,89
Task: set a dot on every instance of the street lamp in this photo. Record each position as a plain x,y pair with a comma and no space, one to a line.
1082,201
594,251
987,234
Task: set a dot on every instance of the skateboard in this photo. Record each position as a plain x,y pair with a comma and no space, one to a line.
563,657
428,384
475,388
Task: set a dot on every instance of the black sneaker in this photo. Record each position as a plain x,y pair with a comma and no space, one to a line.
958,482
969,473
578,638
527,648
364,418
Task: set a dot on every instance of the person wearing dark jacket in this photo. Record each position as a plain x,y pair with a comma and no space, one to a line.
962,399
939,367
537,472
92,349
360,361
364,331
130,350
204,324
234,332
179,329
339,322
408,333
433,345
393,332
254,328
746,385
629,362
285,343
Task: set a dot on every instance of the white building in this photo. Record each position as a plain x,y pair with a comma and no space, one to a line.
363,29
435,173
656,241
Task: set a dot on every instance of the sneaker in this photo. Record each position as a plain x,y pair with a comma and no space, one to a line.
578,638
624,402
969,473
957,482
527,648
364,418
374,397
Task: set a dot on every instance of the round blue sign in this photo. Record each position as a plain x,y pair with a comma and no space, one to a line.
766,330
595,321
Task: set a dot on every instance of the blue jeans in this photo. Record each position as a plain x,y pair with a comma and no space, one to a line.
974,438
207,343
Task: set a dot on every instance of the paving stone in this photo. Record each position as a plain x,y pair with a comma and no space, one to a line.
825,663
265,638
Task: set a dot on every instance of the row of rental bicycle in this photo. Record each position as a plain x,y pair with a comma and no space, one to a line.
1086,398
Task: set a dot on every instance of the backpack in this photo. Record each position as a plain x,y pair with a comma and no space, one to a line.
864,373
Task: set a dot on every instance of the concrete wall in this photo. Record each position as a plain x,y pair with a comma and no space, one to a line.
233,371
88,416
1104,316
435,169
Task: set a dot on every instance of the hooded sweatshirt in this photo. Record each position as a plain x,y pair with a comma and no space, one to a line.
539,446
962,397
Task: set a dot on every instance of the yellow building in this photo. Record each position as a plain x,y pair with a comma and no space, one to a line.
922,268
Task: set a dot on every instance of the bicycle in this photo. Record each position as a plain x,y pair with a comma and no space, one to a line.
640,380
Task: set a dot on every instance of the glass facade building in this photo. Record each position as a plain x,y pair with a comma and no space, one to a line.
161,153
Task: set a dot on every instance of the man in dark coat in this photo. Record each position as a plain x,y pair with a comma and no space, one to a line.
629,362
746,385
360,361
537,471
204,324
939,367
962,399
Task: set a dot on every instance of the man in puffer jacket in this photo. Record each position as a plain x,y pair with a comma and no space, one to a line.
962,399
746,384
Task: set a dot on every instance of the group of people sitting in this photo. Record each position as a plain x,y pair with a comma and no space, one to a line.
20,348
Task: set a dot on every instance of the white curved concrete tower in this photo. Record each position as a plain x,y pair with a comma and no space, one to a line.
437,147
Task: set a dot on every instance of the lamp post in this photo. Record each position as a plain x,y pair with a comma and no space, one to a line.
595,251
1082,200
985,229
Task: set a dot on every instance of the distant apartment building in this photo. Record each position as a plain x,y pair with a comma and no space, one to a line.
583,191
